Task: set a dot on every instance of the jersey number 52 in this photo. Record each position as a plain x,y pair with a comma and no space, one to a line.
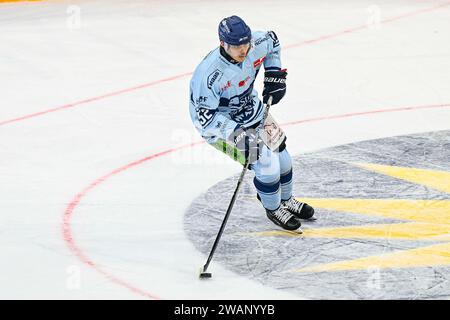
205,116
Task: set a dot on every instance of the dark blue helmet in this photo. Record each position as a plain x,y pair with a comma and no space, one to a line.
233,30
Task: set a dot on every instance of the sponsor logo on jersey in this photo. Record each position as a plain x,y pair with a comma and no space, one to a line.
201,99
243,82
271,35
261,40
226,86
213,77
258,62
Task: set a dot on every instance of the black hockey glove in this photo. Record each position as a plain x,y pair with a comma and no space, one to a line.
274,85
248,142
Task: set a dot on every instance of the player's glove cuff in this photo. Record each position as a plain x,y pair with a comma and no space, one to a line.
274,85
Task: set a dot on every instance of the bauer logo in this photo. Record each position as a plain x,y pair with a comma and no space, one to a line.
213,77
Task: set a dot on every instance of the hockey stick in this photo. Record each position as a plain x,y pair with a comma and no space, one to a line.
203,273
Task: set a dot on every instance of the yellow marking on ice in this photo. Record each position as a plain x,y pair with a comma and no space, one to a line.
439,180
423,220
421,257
401,231
431,211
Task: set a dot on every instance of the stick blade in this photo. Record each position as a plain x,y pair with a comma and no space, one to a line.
203,274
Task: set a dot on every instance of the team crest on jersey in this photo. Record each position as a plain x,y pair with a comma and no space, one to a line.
213,77
242,108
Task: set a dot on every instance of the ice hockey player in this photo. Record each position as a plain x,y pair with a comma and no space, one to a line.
226,110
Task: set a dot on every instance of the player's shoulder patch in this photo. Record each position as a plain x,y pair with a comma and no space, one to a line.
211,71
213,77
274,38
261,37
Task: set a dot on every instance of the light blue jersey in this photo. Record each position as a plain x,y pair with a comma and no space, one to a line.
222,96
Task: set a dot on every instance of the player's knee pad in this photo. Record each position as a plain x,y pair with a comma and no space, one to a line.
267,168
285,161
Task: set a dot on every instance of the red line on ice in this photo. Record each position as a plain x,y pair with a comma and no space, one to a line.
85,101
67,230
68,214
153,83
362,27
347,115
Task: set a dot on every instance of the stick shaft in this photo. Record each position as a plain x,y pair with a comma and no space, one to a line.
224,222
233,199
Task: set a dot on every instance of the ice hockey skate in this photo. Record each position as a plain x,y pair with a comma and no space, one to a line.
283,218
299,209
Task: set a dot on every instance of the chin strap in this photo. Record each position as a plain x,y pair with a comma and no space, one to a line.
224,54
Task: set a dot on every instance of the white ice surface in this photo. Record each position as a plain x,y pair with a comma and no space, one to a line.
131,224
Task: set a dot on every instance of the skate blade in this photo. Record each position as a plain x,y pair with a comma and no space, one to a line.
297,231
